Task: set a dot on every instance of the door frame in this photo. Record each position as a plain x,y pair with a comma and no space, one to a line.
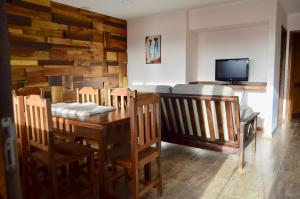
290,96
282,72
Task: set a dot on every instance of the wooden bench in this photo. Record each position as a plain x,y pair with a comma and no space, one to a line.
207,122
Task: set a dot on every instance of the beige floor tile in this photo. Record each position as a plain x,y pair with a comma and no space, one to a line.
273,172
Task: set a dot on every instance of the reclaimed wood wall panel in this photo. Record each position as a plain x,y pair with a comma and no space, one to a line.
52,44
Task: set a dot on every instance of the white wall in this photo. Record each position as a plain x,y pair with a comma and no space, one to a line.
294,22
239,42
192,60
230,14
172,28
243,29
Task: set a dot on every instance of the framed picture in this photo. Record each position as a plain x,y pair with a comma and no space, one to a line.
153,49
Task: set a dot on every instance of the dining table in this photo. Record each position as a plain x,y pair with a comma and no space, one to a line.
101,123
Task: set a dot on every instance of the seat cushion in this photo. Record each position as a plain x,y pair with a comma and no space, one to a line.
152,88
202,89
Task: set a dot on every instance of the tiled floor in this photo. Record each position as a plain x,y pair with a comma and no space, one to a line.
274,172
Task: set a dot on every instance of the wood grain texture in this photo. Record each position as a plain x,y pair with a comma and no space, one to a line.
255,86
52,39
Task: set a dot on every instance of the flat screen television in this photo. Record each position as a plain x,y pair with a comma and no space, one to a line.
232,70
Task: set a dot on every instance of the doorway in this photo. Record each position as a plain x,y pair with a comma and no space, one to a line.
294,80
282,72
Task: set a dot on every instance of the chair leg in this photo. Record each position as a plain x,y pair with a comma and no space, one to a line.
135,183
91,161
115,176
242,154
254,144
53,174
159,186
24,175
35,185
72,174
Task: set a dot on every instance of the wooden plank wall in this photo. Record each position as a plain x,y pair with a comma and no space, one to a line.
54,45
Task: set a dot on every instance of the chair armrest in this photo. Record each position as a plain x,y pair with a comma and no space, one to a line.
250,118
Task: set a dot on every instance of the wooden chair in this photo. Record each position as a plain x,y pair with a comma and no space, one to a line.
41,138
29,91
145,133
119,97
22,146
87,94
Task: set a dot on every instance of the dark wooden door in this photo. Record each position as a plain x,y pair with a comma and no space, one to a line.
295,74
9,171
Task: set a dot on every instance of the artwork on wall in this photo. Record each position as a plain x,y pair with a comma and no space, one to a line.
153,49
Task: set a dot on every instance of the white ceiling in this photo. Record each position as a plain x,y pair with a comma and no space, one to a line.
291,6
126,9
136,8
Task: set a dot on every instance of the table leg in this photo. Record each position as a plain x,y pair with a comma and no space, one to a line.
101,163
147,172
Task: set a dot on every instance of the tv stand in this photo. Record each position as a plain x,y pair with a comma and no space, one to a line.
232,83
253,86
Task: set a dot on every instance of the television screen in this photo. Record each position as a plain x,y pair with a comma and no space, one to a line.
232,70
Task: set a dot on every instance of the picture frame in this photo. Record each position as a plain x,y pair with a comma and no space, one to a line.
153,49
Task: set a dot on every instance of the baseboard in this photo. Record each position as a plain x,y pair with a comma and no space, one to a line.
264,134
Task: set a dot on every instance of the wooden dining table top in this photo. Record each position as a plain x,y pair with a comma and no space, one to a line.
97,121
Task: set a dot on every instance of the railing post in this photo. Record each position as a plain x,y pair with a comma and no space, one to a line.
242,148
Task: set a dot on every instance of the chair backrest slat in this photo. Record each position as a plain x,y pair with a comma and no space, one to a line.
229,120
19,118
42,126
144,117
192,117
39,122
237,120
219,120
184,117
201,119
153,115
165,114
87,94
210,120
174,112
147,124
119,97
141,127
